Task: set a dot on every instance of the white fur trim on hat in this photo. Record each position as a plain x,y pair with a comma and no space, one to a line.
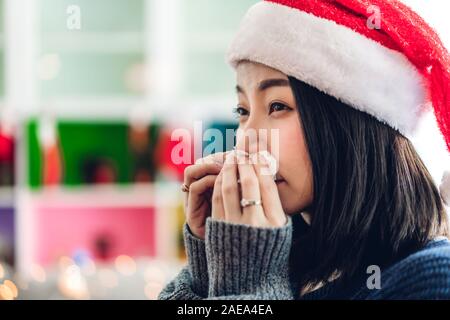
335,59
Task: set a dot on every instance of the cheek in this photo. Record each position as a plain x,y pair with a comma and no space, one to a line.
293,150
295,167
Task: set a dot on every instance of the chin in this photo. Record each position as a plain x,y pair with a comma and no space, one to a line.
291,204
290,208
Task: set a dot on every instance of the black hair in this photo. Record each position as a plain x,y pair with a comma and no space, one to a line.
374,201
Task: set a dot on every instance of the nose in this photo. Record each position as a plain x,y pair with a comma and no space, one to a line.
252,140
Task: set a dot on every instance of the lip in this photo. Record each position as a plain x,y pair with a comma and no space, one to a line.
278,178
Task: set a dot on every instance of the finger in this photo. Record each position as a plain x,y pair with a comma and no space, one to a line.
218,157
269,192
247,140
250,190
230,190
217,210
199,189
197,171
202,185
197,200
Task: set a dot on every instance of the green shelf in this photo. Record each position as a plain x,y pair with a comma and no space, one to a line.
80,141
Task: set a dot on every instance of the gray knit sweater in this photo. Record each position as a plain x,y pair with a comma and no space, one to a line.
241,262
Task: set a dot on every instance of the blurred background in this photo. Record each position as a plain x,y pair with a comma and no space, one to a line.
90,94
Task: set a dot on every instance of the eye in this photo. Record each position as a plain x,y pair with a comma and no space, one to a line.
278,106
240,112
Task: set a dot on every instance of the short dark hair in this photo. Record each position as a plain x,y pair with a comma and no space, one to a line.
374,200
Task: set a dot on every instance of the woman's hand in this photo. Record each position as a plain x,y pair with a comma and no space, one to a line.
200,178
255,184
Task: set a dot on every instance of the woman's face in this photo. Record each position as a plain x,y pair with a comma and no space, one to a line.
266,101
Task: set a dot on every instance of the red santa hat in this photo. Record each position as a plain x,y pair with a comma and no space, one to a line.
394,70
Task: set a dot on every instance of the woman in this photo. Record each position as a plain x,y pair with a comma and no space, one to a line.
353,213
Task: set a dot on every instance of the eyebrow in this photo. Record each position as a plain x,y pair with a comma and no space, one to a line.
266,84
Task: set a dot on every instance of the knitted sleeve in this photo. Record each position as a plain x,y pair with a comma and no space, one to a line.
237,262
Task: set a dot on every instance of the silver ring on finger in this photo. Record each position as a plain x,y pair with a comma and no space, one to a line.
250,202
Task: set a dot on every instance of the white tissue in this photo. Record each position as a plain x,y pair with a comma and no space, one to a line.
272,163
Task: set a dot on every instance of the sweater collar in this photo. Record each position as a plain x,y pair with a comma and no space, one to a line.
335,289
